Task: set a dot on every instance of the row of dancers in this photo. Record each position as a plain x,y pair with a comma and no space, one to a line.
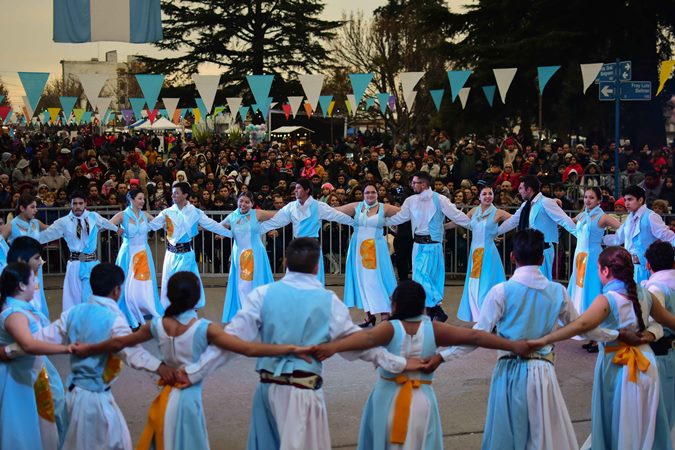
299,324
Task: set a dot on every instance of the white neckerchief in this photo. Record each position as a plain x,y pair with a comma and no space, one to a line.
530,276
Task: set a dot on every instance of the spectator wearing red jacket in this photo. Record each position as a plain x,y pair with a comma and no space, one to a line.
572,165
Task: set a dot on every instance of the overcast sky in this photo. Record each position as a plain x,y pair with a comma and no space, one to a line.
28,46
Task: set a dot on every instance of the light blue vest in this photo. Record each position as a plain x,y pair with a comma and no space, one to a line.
436,230
294,316
311,225
529,313
543,222
669,296
644,238
91,323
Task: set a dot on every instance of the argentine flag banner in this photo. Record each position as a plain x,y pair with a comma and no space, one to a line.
134,21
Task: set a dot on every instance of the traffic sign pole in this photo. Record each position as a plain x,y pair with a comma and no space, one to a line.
617,123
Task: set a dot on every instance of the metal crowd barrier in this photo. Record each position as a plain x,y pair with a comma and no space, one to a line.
213,252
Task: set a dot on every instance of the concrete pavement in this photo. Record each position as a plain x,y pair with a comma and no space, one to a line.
461,387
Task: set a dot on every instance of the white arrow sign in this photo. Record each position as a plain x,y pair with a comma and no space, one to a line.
607,91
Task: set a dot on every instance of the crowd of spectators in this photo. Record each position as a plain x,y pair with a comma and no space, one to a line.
51,163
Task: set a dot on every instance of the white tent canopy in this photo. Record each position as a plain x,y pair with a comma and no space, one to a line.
160,124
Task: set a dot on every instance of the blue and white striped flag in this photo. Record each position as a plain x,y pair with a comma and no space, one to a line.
107,20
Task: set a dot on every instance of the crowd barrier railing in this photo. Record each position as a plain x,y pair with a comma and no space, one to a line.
213,252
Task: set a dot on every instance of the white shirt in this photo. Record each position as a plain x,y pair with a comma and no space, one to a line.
624,235
246,325
66,228
184,220
552,209
136,356
295,212
420,209
493,309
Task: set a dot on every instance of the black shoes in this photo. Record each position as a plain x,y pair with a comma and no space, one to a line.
591,347
436,313
368,322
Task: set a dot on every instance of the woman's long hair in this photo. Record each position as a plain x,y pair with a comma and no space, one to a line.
620,265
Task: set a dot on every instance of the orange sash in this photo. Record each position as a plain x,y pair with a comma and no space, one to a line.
630,356
155,426
403,402
43,396
368,253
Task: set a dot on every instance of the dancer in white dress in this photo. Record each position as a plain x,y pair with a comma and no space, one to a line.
140,296
370,279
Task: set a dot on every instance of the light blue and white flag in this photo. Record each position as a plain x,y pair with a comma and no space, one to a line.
134,21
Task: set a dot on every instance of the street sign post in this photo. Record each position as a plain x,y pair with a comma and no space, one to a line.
615,84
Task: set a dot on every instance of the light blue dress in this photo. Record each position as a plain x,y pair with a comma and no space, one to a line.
627,414
370,279
485,268
184,421
140,295
32,229
424,430
249,264
21,425
585,285
666,363
4,248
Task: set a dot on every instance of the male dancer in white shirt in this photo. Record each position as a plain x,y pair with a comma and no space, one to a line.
427,211
80,230
306,214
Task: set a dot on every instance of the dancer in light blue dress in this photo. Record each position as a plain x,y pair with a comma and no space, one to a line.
249,264
485,268
401,411
370,279
177,415
31,393
25,224
140,296
627,409
584,285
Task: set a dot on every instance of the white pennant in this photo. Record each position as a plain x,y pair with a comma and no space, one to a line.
312,85
101,104
92,83
408,82
170,104
234,103
589,72
295,103
504,77
463,96
352,102
207,86
27,105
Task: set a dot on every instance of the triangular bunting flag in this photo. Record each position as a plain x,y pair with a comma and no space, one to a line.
408,82
312,85
383,100
178,115
33,83
54,113
207,86
457,80
152,115
79,113
218,110
4,112
86,117
128,115
351,104
202,107
392,103
10,118
325,100
287,110
243,112
294,102
164,113
137,105
589,72
233,103
308,109
30,111
101,104
260,87
664,74
196,113
151,85
463,96
489,92
170,104
437,96
370,102
45,117
504,77
67,103
2,97
92,83
360,82
544,74
254,108
330,108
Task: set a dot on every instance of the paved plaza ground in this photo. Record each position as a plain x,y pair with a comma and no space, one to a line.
461,386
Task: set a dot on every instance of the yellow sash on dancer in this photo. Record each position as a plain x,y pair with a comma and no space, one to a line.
155,426
399,426
368,253
169,227
141,266
112,369
582,259
43,397
246,265
630,356
477,262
